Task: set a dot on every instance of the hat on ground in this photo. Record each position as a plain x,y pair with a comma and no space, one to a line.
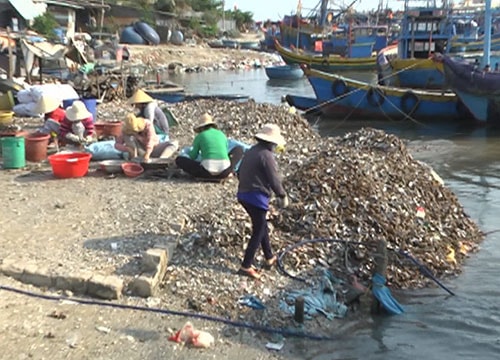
133,124
271,133
140,97
47,104
77,111
205,120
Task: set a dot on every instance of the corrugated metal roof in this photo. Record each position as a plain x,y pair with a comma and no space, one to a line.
79,4
28,9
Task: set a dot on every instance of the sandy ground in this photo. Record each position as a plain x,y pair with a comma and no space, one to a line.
70,224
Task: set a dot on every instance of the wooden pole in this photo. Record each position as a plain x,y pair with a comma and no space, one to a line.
381,261
11,58
101,25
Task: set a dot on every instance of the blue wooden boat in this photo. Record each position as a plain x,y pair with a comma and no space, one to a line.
477,88
304,103
341,98
330,63
176,96
284,72
412,65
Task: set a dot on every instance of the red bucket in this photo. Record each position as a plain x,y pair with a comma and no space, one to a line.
36,146
72,165
104,129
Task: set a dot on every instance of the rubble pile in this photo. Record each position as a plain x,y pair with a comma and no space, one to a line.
360,188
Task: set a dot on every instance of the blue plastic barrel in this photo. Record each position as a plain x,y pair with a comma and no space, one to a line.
67,103
91,105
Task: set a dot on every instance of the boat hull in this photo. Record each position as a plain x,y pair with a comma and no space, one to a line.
303,103
411,73
341,98
285,72
330,63
479,91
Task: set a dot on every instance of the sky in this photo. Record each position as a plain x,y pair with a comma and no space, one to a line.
276,9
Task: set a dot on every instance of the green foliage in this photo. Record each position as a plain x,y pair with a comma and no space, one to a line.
204,5
243,19
45,24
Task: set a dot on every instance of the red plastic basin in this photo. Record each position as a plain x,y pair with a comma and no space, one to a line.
73,165
132,169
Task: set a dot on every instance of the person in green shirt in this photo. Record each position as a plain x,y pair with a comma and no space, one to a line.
209,157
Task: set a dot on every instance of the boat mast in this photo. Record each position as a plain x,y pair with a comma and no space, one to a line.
487,34
323,10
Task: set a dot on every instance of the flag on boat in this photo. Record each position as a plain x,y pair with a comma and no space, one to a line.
299,7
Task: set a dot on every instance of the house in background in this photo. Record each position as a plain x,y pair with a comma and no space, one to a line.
17,14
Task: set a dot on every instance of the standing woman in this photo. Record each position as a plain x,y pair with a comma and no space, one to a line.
258,176
148,109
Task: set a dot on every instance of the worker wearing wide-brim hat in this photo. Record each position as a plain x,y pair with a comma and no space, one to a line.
148,109
139,139
53,114
209,157
77,128
258,180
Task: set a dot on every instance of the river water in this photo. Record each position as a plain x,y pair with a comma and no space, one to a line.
435,325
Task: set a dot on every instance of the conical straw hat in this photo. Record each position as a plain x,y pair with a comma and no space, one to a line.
47,104
140,97
271,133
77,111
205,120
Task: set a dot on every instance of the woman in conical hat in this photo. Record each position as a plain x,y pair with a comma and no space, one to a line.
139,139
209,157
148,109
52,112
77,128
258,180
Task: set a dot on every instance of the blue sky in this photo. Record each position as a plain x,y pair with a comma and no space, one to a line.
275,9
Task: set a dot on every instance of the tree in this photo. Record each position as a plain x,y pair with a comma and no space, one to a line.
243,19
45,24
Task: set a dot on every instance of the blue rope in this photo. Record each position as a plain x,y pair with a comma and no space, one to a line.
423,269
265,329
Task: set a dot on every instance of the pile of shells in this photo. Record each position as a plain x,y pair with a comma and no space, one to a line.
360,189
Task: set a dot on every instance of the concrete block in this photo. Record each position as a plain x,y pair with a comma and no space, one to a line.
105,287
169,245
75,282
142,286
37,276
12,268
153,259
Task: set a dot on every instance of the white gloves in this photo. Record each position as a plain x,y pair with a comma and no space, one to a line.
72,137
283,202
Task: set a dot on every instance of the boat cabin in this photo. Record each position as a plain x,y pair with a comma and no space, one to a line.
423,32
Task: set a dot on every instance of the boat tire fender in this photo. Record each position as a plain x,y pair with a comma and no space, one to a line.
375,96
339,87
409,102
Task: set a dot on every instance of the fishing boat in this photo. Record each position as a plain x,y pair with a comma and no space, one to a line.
180,96
329,63
341,98
284,72
425,31
476,86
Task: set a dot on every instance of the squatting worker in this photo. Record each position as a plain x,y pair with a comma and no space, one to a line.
77,128
148,109
209,157
52,112
139,139
258,179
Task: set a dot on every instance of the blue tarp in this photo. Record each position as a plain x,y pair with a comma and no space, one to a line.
322,300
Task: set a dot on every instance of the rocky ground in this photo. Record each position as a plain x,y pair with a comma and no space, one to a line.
361,188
